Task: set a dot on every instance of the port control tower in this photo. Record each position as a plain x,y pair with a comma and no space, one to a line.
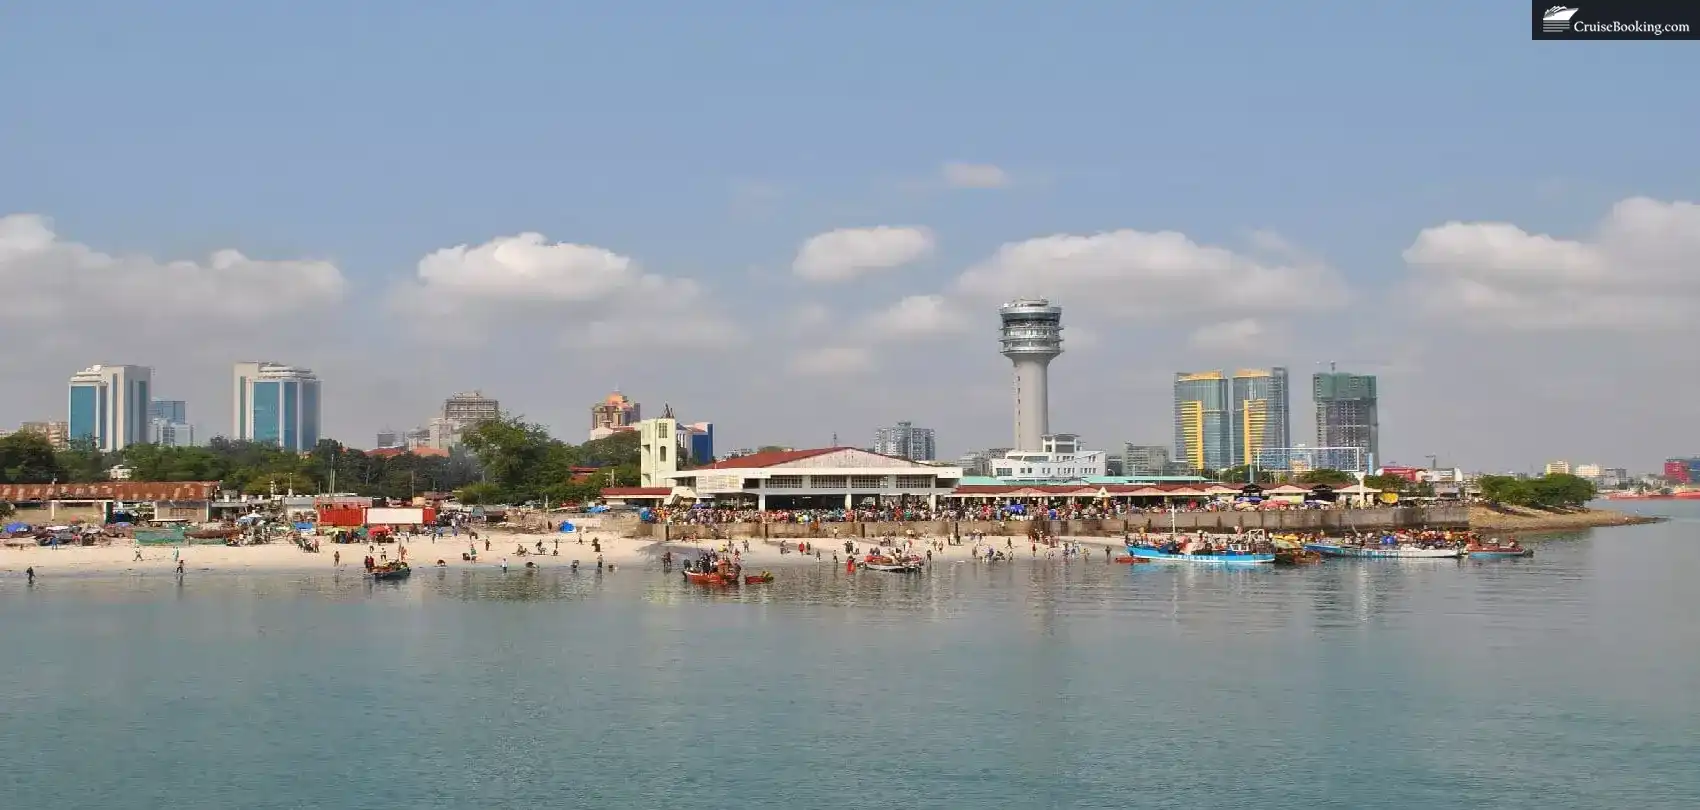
1031,338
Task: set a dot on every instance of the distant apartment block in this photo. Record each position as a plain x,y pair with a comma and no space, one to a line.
1347,412
616,412
904,440
1557,468
1144,459
57,433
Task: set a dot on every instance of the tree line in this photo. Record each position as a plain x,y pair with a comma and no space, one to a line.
501,461
1555,491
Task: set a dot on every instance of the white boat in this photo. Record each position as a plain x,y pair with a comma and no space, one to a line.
1380,551
900,568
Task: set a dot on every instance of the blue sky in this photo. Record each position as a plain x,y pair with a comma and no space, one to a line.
708,141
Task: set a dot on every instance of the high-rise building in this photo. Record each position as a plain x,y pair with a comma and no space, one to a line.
171,434
701,441
460,412
904,440
1261,413
1557,468
388,438
109,405
170,410
614,413
1031,337
277,404
1144,459
1204,430
1346,413
168,423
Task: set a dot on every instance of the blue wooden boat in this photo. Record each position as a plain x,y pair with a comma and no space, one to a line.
1218,558
1385,552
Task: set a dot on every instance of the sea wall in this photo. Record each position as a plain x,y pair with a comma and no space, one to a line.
1307,520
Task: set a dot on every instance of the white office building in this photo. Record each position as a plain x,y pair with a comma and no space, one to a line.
109,406
277,404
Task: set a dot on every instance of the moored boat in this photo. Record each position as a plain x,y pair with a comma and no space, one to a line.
758,579
1213,557
893,567
1386,551
1497,551
1285,555
392,570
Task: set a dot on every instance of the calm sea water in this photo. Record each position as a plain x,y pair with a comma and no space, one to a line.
1570,680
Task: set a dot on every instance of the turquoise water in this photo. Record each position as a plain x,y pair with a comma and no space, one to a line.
1570,680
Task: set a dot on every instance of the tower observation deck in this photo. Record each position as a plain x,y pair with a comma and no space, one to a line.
1031,337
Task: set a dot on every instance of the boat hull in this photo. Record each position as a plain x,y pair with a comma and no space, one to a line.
757,579
392,575
705,579
1377,552
1153,555
1498,554
893,568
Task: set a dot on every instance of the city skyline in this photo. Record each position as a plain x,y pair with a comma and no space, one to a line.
822,249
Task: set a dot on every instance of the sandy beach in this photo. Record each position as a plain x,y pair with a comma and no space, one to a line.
619,552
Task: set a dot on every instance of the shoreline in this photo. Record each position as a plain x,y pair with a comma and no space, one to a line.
618,553
1522,519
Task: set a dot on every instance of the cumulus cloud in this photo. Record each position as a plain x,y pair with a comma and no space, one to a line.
847,253
974,175
1640,270
918,316
47,277
591,296
832,361
1152,276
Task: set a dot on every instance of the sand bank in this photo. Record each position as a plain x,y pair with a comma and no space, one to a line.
1522,519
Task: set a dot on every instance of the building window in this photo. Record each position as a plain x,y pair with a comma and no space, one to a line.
867,482
662,453
827,482
785,482
914,482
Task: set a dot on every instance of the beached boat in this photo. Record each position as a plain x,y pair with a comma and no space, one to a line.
893,567
1385,551
758,579
708,578
1224,557
1496,551
392,570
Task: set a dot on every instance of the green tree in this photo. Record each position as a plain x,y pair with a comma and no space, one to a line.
1327,477
26,457
1562,490
6,509
1506,490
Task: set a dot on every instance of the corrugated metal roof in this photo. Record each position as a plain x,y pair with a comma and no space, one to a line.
112,491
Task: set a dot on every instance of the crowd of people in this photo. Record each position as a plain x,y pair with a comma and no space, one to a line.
1079,510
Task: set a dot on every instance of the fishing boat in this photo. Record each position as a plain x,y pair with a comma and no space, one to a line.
392,570
758,579
1129,559
1497,551
1295,555
896,568
1385,551
1180,554
706,578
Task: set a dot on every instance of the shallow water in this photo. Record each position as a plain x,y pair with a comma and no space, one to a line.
1570,680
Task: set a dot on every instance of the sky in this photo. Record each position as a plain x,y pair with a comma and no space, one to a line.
797,219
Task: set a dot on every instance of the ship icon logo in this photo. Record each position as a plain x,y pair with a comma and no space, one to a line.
1556,20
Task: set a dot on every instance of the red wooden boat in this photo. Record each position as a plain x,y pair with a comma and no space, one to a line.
712,578
1130,560
757,579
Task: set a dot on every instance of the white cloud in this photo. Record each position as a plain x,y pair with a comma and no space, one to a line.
846,253
1245,335
1639,271
974,175
832,361
46,277
1152,276
808,316
526,268
918,316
